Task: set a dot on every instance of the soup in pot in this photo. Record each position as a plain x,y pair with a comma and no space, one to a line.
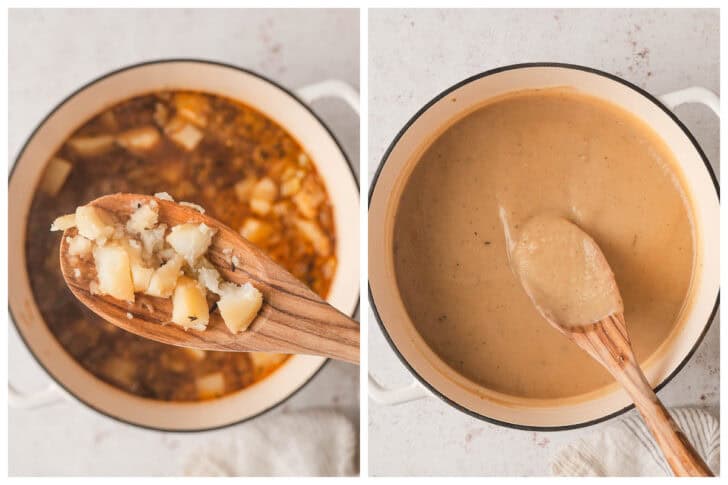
552,151
246,170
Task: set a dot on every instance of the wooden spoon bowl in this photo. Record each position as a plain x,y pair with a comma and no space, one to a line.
568,279
293,319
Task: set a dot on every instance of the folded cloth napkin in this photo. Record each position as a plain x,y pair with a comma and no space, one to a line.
626,448
316,442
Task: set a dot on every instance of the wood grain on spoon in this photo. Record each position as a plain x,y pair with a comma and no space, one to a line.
569,280
293,319
607,341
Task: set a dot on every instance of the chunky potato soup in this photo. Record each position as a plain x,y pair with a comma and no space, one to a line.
242,167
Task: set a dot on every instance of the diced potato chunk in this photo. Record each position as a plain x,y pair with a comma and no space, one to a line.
165,278
292,178
139,140
183,133
94,223
141,274
145,217
141,277
195,354
239,305
192,205
266,359
191,240
255,230
211,385
55,176
79,246
260,207
283,209
209,278
189,305
291,172
161,114
153,239
309,198
311,231
263,361
290,187
64,222
133,249
193,107
163,196
244,188
265,189
91,146
114,272
263,195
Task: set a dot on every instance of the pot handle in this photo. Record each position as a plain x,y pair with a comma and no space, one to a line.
694,94
330,88
51,394
414,391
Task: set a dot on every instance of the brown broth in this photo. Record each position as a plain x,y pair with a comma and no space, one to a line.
238,143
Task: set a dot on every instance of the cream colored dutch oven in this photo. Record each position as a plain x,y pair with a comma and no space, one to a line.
288,110
432,375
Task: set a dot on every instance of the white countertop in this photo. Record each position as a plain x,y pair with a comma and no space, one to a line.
51,53
416,54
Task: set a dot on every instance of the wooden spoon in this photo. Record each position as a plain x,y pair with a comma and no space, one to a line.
607,341
566,275
292,320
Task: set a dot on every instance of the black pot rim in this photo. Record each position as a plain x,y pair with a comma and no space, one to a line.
102,77
406,127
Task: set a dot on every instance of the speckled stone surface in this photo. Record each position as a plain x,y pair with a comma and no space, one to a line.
51,53
414,55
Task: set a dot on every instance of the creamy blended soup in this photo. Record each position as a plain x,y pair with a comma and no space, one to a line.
552,151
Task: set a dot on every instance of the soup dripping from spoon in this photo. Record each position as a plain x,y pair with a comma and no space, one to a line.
291,319
568,279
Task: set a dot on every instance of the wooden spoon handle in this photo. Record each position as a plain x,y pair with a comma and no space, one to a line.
608,342
305,325
293,317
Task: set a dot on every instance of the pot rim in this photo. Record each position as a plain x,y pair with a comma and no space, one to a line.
407,126
192,61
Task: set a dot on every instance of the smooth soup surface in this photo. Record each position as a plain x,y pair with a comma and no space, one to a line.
542,151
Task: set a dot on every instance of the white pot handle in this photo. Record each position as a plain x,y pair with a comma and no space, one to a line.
382,395
51,394
331,88
694,94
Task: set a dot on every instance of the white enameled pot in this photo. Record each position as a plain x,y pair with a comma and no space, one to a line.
431,375
289,111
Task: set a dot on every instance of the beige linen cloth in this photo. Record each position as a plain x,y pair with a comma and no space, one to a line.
315,442
626,448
